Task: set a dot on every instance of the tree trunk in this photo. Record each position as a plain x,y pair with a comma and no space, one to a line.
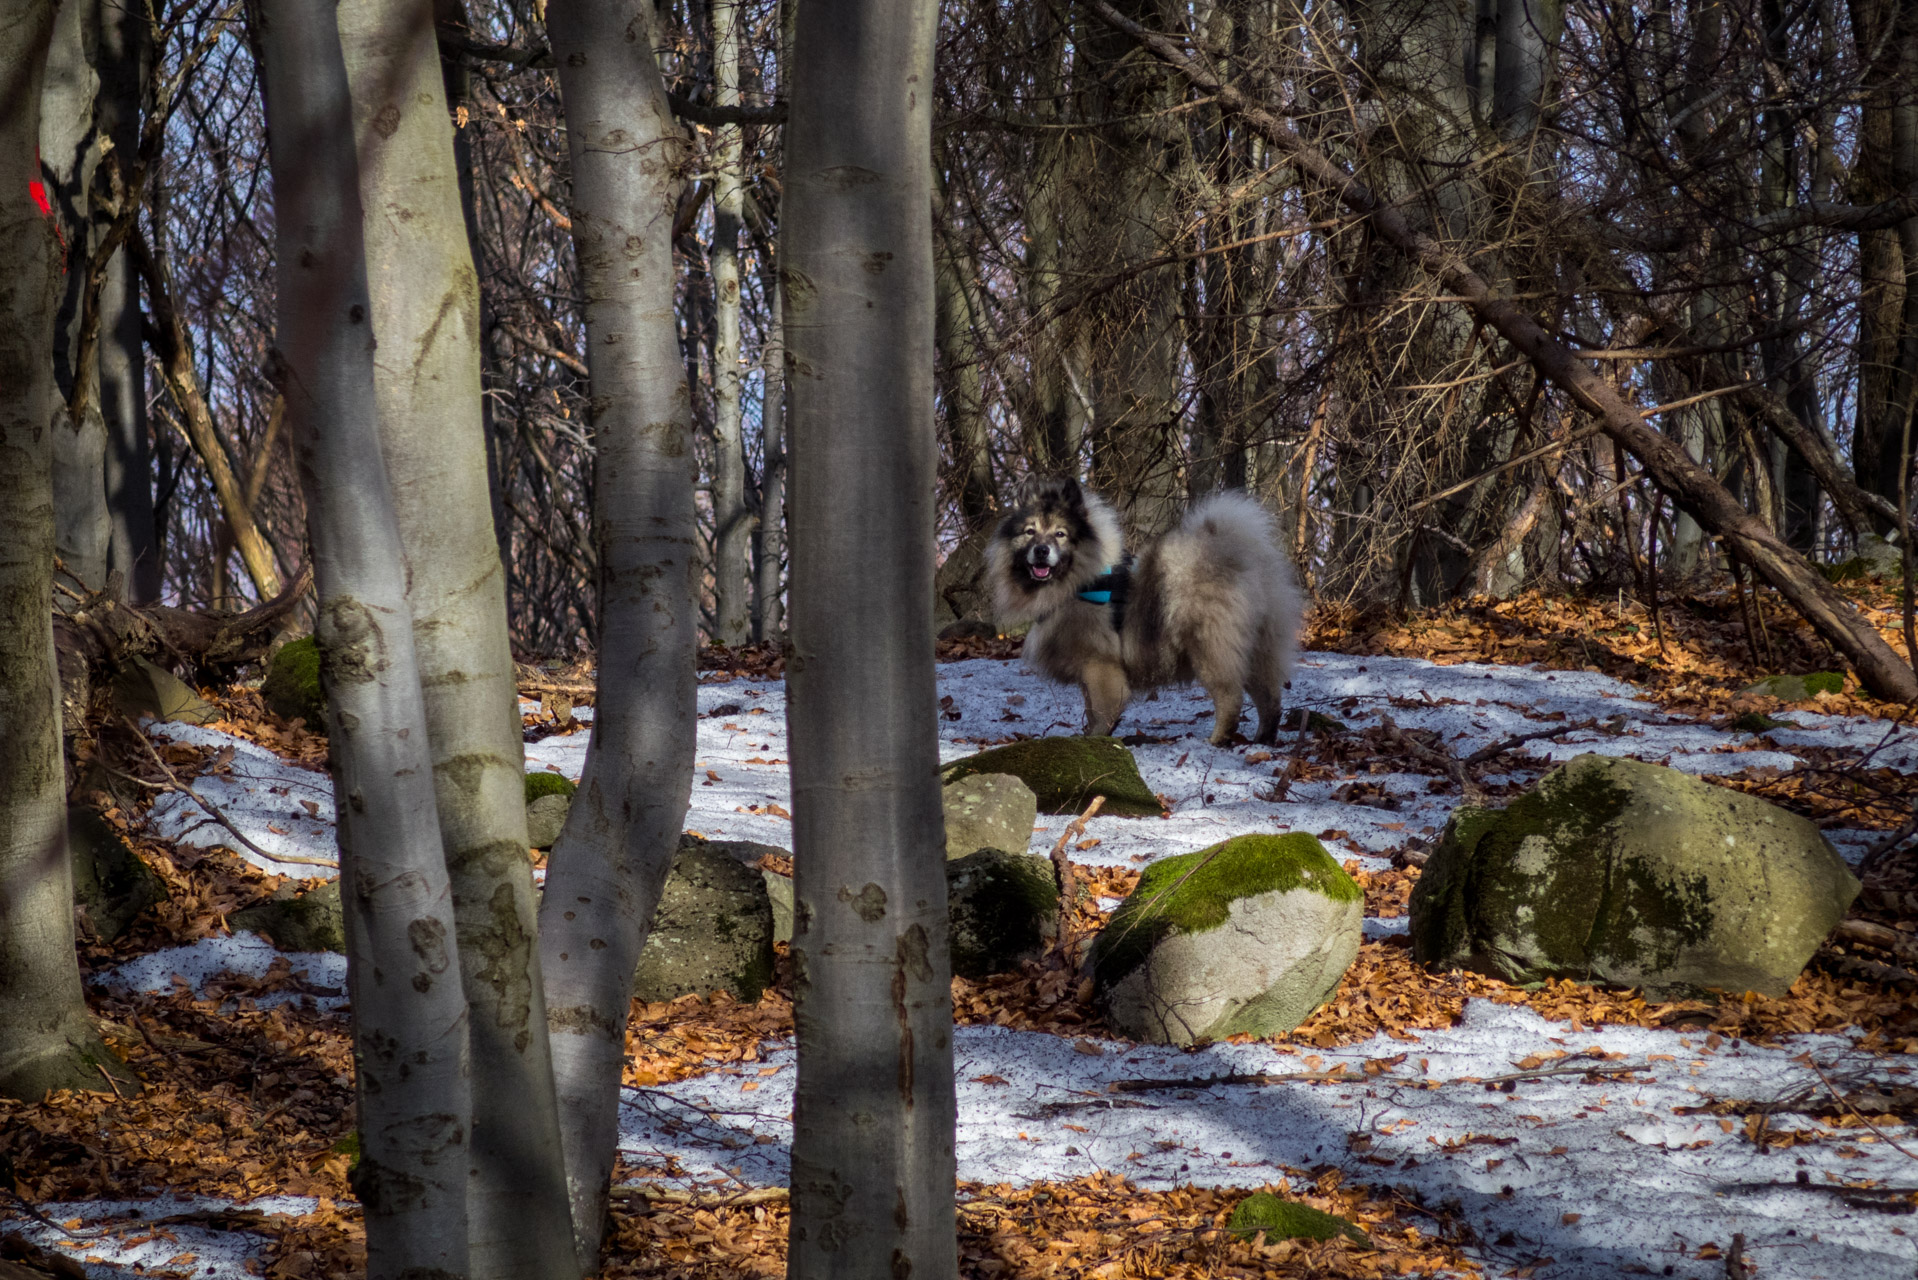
133,549
769,533
67,138
427,387
46,1040
1691,486
409,1013
611,860
732,525
872,1158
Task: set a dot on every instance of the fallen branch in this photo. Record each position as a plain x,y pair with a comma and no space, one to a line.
173,783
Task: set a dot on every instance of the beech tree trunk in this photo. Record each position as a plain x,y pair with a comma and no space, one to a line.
46,1039
769,547
872,1158
427,385
409,1012
610,864
732,526
1690,485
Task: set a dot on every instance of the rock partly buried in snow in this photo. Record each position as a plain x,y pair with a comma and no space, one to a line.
1798,688
1065,773
988,811
713,930
311,921
110,882
292,688
1617,872
549,797
142,688
1247,936
1004,909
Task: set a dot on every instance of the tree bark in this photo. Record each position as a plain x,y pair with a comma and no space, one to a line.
732,525
427,387
769,534
872,1159
409,1013
46,1040
1693,487
628,159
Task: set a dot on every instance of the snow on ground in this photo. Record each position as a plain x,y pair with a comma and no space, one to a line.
1599,1176
321,973
169,1235
1638,1183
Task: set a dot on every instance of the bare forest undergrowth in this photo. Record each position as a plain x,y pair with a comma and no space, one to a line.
241,1102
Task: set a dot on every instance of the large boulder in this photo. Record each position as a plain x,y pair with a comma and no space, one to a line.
1065,773
1249,936
110,883
310,921
142,688
1003,908
988,811
712,931
292,688
1635,875
549,798
750,853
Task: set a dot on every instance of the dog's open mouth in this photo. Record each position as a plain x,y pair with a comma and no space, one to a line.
1040,571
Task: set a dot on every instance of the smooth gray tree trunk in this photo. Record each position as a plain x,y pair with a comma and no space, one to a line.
732,526
403,975
427,381
606,873
121,59
46,1039
769,535
872,1159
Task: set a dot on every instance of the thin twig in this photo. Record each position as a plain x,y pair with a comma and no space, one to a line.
1845,1102
173,783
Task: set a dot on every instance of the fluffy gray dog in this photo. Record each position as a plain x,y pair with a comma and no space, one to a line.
1214,601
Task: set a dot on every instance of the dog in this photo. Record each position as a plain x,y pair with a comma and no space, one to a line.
1214,601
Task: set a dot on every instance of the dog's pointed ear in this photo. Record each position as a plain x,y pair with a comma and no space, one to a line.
1032,490
1051,491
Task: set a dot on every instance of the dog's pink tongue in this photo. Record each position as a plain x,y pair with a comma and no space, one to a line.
1041,571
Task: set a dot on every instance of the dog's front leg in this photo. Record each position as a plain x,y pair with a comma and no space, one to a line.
1228,701
1106,691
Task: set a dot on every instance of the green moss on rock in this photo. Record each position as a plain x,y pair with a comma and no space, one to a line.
292,688
312,921
1066,773
1194,892
1289,1220
1798,688
545,783
1004,908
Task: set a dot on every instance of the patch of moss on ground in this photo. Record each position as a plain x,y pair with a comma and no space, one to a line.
1194,892
1066,773
292,688
1759,722
544,783
1289,1220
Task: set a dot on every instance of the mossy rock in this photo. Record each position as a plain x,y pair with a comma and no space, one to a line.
1169,971
1279,1219
1759,722
712,930
988,811
292,688
110,882
1798,688
310,921
549,798
1065,773
546,783
1620,873
1004,909
1875,558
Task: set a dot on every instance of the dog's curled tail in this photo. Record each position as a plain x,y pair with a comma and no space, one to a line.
1241,541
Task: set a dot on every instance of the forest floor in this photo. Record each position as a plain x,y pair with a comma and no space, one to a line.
1468,1126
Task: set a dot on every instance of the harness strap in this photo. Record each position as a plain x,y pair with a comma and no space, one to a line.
1111,589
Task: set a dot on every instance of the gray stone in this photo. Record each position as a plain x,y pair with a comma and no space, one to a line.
712,931
1065,773
989,811
1003,908
1634,875
1246,937
544,819
110,882
310,921
142,688
779,891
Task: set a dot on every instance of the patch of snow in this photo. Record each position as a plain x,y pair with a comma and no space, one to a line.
241,952
126,1238
278,805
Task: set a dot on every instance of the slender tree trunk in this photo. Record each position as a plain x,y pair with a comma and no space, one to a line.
732,526
1691,486
409,1013
427,385
67,149
133,547
872,1158
770,532
46,1040
611,861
